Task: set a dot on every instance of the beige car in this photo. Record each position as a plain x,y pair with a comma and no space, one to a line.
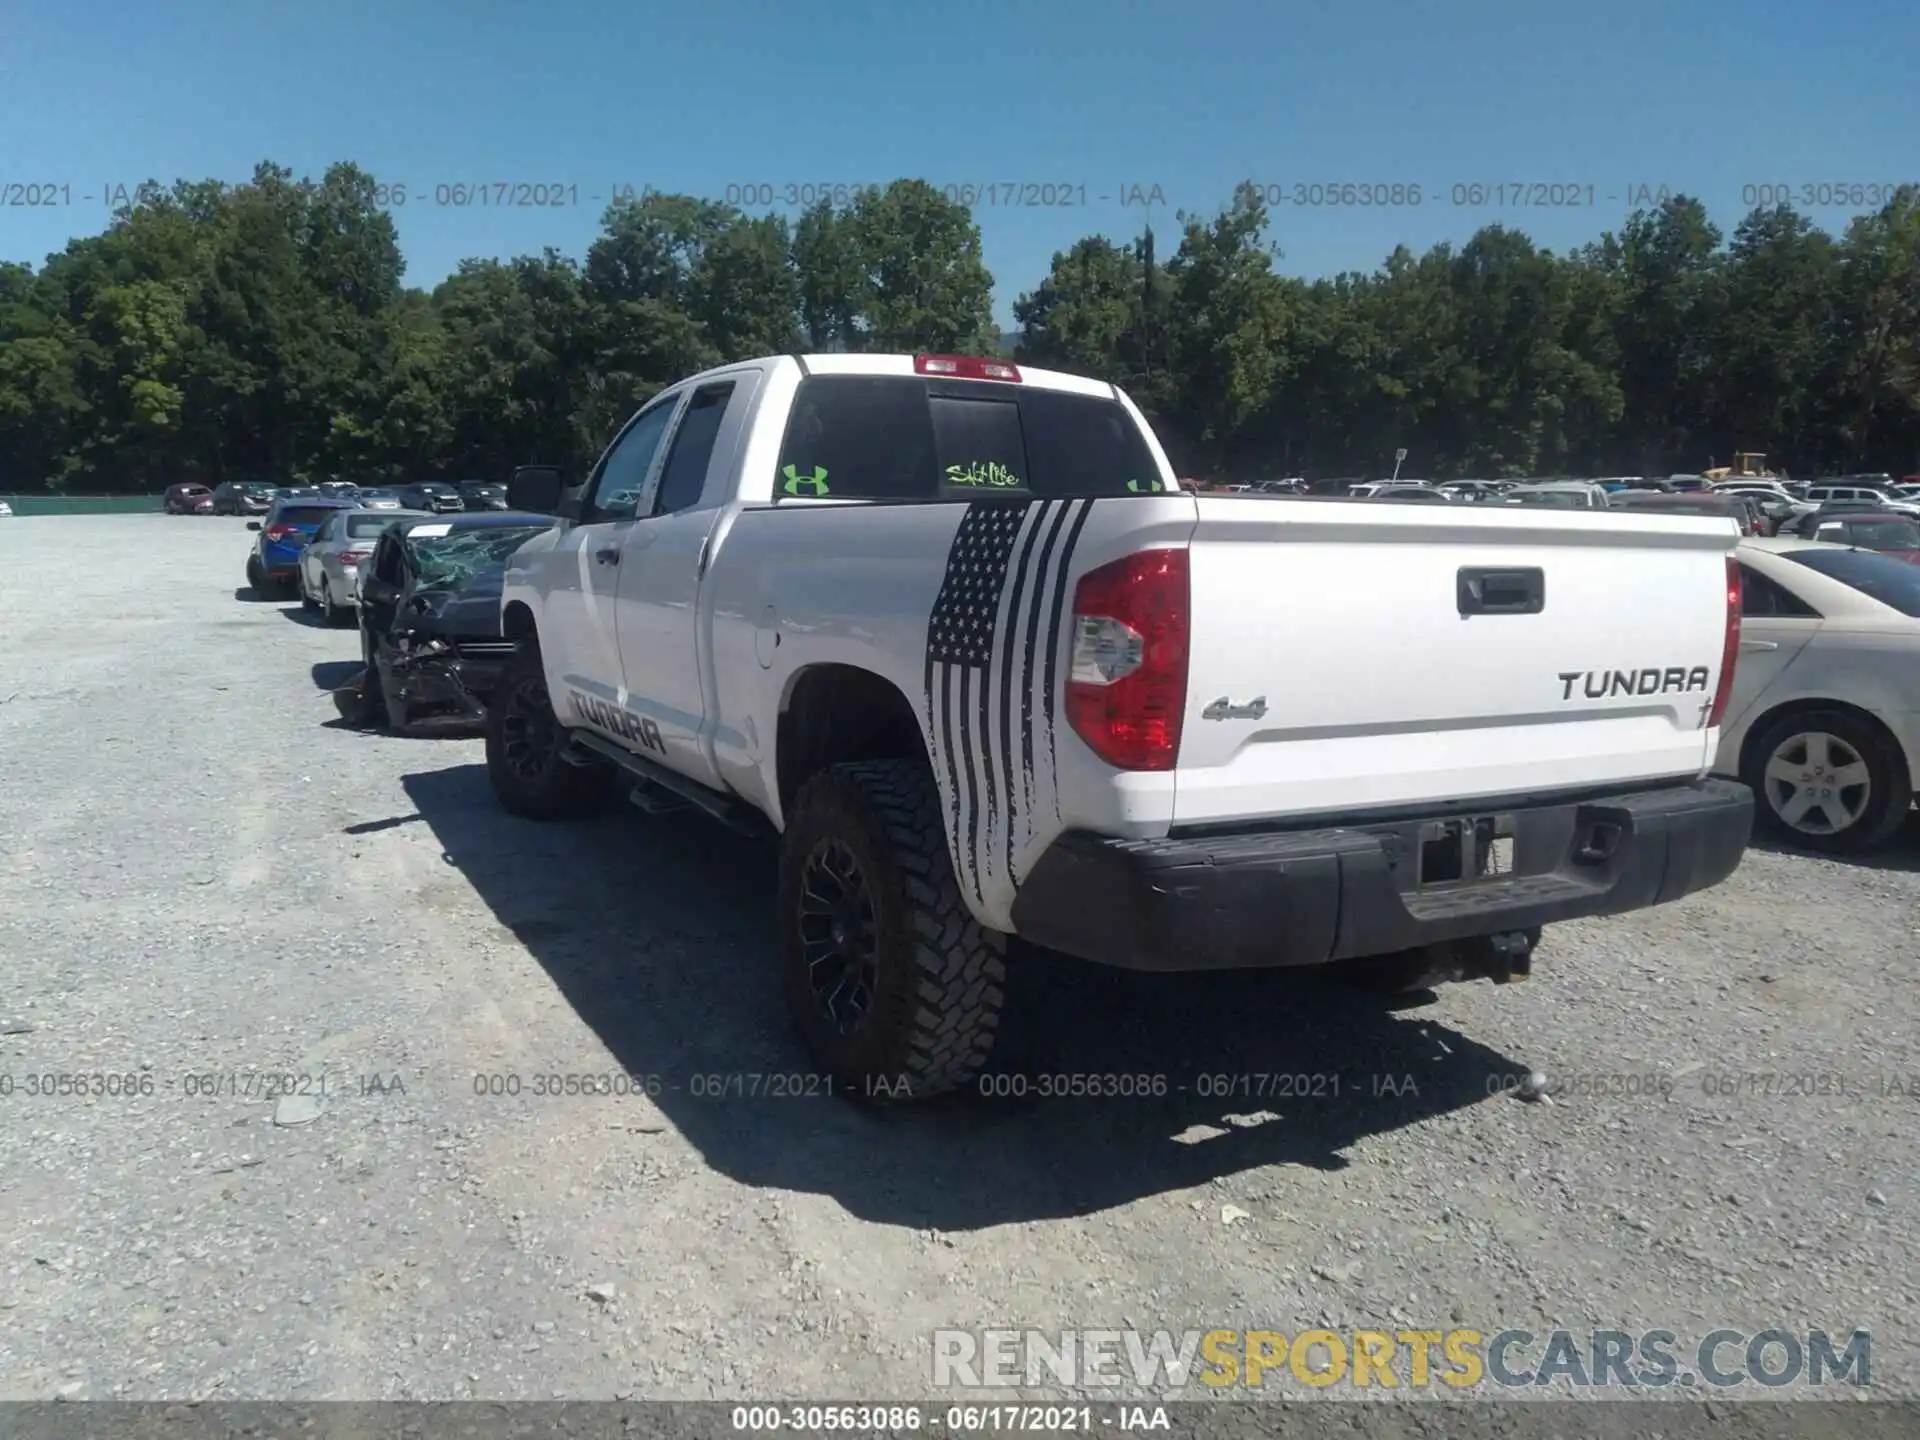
329,579
1823,723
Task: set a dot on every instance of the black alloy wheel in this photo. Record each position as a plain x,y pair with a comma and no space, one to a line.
839,936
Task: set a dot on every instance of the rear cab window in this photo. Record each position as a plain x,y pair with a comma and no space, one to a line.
892,437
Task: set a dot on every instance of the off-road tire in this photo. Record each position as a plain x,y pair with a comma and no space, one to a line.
557,789
1890,799
936,1003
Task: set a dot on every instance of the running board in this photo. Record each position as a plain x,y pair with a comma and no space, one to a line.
653,776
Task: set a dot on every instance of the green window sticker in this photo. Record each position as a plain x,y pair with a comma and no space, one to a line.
798,484
990,475
1146,487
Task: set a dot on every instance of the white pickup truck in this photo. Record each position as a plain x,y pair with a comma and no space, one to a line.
948,627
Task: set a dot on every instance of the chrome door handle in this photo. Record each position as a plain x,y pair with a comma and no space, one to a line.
610,555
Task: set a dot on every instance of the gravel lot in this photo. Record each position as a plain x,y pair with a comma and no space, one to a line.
201,876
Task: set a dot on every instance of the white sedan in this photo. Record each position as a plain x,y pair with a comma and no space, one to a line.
1824,720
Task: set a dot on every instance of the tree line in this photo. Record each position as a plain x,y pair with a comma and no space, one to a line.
263,331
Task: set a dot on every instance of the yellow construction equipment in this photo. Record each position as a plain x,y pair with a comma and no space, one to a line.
1747,465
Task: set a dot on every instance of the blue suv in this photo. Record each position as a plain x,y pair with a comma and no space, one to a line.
284,533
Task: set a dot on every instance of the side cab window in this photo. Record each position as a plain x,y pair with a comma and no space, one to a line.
618,482
684,477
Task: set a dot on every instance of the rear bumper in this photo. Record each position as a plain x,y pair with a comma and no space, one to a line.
1305,897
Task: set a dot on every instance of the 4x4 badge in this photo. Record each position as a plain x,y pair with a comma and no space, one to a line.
1225,709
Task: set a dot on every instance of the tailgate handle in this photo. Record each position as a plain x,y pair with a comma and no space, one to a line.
1483,591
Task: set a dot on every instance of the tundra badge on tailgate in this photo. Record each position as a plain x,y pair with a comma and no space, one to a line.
1225,709
1599,684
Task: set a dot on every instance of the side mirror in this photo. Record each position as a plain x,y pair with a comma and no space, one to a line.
537,488
253,524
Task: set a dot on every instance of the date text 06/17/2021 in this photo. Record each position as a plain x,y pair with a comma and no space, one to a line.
1459,195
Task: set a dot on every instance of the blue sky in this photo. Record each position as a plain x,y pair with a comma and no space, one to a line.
1108,100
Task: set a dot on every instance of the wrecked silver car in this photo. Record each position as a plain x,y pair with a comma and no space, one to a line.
430,642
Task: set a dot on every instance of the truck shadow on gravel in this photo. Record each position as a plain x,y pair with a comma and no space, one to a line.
660,934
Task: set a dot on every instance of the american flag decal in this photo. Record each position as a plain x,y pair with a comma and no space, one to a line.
994,644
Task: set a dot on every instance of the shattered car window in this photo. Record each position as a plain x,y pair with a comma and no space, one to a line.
450,562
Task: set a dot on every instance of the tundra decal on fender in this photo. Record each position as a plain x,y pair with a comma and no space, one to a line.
1600,684
637,728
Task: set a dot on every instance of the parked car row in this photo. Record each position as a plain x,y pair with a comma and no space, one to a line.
254,497
1777,497
1758,506
422,588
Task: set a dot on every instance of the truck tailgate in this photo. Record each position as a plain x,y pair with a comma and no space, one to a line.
1332,668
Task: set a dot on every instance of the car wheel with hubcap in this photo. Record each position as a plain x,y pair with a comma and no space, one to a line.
1829,780
526,749
896,989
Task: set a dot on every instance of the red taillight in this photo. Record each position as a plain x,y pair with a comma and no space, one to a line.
1730,651
1127,688
354,556
965,367
280,532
